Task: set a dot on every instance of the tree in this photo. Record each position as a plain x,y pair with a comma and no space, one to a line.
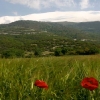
58,52
64,50
12,52
37,52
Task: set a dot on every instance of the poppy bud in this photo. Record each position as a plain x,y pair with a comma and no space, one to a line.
41,84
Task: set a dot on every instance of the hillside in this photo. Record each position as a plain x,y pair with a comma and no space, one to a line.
93,27
29,38
66,29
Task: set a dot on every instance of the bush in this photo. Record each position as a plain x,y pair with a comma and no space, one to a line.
12,52
58,52
37,52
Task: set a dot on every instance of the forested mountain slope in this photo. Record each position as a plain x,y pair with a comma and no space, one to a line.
70,30
29,38
93,27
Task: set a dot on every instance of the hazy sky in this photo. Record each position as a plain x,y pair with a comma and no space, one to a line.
21,8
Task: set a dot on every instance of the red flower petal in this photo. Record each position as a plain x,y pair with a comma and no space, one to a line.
41,84
90,83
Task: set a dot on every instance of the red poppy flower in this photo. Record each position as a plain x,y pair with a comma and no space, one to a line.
90,83
41,84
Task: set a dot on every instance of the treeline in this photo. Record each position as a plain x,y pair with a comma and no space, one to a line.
82,51
44,44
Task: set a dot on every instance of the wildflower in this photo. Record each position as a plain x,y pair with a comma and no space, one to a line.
41,84
89,83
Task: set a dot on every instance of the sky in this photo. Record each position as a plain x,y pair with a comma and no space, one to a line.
49,10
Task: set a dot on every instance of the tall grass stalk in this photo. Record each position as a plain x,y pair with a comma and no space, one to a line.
63,75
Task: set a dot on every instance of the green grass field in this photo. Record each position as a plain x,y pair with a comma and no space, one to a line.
62,74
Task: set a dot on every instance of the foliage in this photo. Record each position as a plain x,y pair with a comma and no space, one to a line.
37,52
58,52
41,42
79,50
12,53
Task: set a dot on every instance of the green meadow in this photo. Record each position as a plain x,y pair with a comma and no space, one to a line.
62,74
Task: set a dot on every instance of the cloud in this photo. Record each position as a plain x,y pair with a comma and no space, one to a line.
84,4
39,4
15,13
70,16
8,19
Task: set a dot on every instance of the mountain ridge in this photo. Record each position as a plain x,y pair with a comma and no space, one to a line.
57,16
83,30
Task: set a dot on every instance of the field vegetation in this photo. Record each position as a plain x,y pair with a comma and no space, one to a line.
62,74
